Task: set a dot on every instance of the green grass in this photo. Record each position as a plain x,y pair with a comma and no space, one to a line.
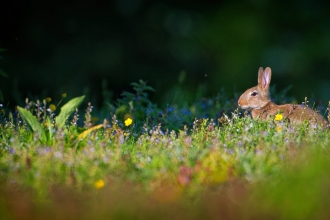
182,162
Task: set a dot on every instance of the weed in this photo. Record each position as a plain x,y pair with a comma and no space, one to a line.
174,156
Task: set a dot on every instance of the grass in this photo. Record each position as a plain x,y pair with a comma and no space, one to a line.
206,160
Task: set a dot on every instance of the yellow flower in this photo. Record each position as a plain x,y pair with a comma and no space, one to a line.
48,99
52,107
99,184
128,122
278,117
279,128
63,95
46,124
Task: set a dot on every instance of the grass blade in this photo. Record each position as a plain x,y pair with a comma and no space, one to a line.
33,123
67,110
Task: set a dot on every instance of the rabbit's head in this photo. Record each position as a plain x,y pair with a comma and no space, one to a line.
257,96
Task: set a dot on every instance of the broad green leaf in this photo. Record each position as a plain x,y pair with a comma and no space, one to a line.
88,131
33,123
2,73
2,50
67,110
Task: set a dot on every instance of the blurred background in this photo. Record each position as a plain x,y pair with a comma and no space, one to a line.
98,47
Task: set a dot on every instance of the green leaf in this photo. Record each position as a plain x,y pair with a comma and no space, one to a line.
148,88
135,84
67,110
121,109
2,50
32,121
143,82
2,73
145,100
128,94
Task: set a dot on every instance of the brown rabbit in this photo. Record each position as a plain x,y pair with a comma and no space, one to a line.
258,99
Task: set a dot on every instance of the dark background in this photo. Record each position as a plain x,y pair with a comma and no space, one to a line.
98,47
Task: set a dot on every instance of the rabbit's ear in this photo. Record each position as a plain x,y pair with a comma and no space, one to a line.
260,72
265,78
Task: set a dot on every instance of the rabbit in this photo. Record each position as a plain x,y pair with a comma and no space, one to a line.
257,98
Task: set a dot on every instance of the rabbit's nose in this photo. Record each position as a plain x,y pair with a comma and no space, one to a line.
242,102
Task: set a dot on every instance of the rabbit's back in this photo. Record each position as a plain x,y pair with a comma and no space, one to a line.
292,113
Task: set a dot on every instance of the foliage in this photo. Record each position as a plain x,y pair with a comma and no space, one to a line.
60,120
33,123
177,156
135,104
67,110
212,42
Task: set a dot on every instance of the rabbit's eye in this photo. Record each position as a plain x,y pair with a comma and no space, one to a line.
254,93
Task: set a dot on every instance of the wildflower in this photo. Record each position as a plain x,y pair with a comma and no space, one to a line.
169,109
258,152
48,99
63,95
46,124
278,117
52,107
279,128
128,122
99,184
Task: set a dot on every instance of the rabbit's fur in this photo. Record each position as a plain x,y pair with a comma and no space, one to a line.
258,99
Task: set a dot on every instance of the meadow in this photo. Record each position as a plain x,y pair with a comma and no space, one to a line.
133,160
